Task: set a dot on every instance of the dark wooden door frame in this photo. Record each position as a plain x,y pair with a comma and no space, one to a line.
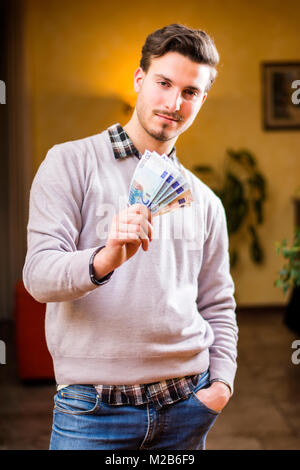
17,149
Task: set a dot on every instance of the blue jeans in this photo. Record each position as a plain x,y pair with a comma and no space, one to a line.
81,421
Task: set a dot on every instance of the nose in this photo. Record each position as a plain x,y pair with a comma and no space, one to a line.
174,101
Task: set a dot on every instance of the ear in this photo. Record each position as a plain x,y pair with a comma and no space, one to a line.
204,98
139,76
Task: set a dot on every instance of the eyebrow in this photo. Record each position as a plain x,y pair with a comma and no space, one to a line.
190,87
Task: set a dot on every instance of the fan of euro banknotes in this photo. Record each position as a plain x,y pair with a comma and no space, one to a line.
159,184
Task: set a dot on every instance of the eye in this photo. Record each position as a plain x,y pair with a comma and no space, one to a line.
164,84
189,94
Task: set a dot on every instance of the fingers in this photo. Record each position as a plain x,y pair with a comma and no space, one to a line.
140,229
140,209
134,232
133,225
139,219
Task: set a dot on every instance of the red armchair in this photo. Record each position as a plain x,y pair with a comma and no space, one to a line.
33,357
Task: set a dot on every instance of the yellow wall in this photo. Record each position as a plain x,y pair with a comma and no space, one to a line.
82,56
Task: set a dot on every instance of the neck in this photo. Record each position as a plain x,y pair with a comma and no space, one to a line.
144,141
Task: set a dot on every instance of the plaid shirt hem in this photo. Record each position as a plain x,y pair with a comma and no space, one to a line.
159,393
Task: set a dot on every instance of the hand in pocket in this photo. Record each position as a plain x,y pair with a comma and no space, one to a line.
214,397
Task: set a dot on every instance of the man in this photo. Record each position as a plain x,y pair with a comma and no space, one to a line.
141,328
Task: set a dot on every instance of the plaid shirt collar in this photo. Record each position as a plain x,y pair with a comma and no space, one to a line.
123,146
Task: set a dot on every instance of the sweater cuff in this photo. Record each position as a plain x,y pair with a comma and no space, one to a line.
222,370
224,382
104,279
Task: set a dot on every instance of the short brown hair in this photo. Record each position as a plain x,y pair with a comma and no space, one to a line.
192,43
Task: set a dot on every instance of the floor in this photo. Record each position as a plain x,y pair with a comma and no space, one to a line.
264,412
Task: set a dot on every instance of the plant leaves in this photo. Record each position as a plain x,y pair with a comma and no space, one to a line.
256,252
203,169
243,157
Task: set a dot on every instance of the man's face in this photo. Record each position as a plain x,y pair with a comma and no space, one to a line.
170,95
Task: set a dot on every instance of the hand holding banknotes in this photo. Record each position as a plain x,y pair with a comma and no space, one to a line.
130,228
157,187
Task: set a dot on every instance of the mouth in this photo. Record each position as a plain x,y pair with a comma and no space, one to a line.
166,118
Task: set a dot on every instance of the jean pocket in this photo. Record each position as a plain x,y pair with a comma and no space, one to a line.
203,405
75,402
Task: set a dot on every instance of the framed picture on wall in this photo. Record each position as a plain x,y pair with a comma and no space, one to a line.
281,95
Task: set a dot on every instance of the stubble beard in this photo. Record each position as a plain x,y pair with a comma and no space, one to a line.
160,135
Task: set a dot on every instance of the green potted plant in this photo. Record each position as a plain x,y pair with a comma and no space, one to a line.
289,279
289,275
242,189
